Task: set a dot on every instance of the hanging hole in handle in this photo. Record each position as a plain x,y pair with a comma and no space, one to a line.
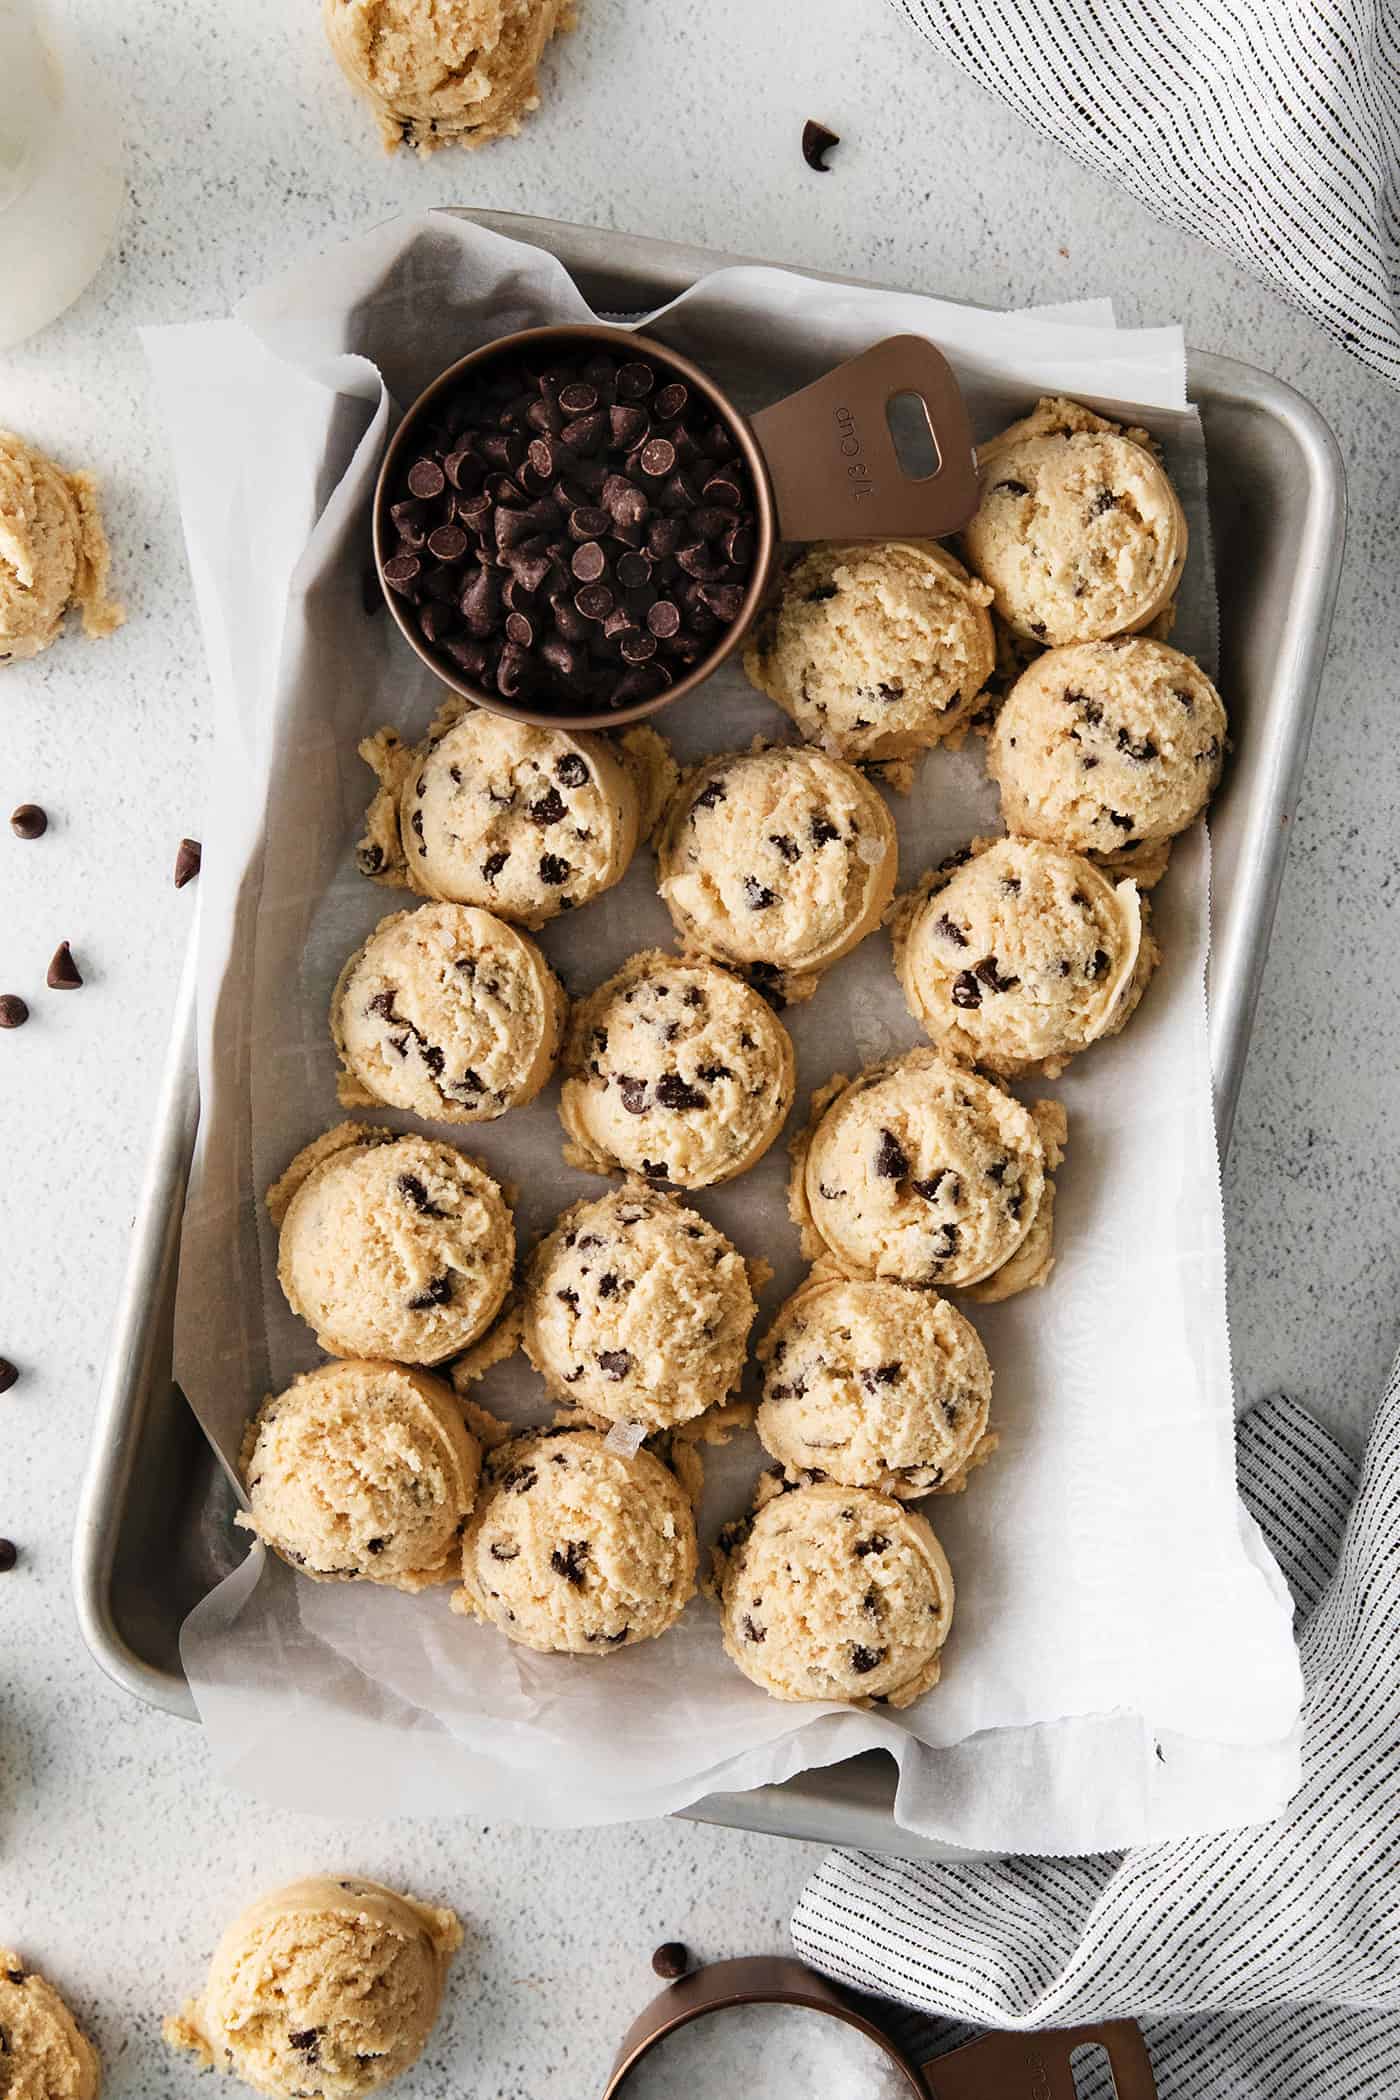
1092,2072
915,446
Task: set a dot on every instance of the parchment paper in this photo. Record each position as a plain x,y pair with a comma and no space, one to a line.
1121,1667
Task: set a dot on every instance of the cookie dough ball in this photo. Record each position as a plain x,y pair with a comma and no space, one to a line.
835,1593
637,1309
53,552
925,1172
524,822
575,1549
877,651
1108,748
439,75
1079,532
777,862
43,2055
675,1071
875,1384
391,1246
1018,955
449,1012
362,1470
326,1989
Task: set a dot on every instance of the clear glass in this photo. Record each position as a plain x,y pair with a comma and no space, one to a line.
61,170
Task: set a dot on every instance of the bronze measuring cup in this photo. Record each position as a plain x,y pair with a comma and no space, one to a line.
824,465
995,2067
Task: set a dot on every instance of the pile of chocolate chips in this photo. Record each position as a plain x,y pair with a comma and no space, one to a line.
575,535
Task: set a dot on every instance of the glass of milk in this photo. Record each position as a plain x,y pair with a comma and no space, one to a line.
61,163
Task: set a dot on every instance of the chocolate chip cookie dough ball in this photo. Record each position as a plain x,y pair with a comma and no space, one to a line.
45,2056
835,1593
930,1174
1019,955
326,1989
876,1384
436,75
53,552
391,1246
637,1309
524,822
877,651
575,1549
778,862
1109,748
675,1071
362,1471
449,1012
1079,533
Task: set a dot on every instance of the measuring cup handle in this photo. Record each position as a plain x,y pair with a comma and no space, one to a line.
831,453
1038,2067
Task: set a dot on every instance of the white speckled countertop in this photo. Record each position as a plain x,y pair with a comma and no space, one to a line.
120,1858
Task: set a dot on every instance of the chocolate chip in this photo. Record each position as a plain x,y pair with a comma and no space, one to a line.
572,770
752,1631
520,1479
554,871
493,864
634,1095
13,1011
550,809
500,1551
930,1188
757,895
188,857
1097,965
989,974
635,381
891,1159
1011,488
569,1560
864,1660
883,1374
1142,752
671,401
9,1554
9,1374
1105,500
29,821
944,925
375,1546
1116,818
876,1543
615,1363
817,142
785,845
63,971
426,479
949,1235
413,1191
438,1292
673,1092
966,992
671,1960
308,2041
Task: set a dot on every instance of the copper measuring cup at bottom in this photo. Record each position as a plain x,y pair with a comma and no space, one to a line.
997,2066
824,465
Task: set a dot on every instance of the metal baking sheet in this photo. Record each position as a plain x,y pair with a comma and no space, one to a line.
154,1529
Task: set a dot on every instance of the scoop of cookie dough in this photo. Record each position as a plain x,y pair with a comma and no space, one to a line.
44,2055
1018,954
1108,748
522,821
925,1172
326,1989
675,1071
449,1012
637,1309
435,76
877,1384
836,1593
777,861
577,1549
878,650
391,1246
362,1470
1079,531
53,552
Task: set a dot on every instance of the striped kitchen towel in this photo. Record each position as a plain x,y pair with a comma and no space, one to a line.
1264,1964
1269,127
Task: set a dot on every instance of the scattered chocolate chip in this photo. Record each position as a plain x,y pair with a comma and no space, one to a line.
1142,753
757,895
752,1631
29,821
876,1543
671,1960
308,2041
1010,488
9,1374
634,1095
520,1479
817,142
438,1292
13,1011
787,847
989,974
966,992
9,1554
554,871
1105,500
674,1092
944,925
569,1561
864,1660
572,770
502,1551
931,1188
891,1159
493,864
1118,820
882,1374
615,1363
1097,965
190,853
413,1191
63,973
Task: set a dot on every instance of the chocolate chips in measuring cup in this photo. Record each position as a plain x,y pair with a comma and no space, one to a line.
574,536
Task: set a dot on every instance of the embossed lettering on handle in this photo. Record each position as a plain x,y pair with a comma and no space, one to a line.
832,459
